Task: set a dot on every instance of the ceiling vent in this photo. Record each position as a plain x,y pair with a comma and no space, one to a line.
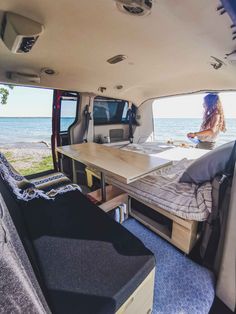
24,78
135,7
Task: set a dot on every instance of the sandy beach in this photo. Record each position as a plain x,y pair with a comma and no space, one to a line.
28,158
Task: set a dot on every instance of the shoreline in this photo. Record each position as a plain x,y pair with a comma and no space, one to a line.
22,145
28,157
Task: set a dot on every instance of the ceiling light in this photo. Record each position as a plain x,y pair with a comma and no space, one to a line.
135,7
116,59
48,71
119,87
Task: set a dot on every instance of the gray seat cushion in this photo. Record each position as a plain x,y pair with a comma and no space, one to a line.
205,168
88,262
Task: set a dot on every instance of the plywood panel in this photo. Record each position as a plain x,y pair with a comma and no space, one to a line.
124,165
184,238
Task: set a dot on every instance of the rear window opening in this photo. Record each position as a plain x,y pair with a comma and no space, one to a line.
174,117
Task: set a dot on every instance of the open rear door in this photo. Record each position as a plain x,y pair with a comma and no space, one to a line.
65,114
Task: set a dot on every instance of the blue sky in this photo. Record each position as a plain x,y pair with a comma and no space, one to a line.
36,102
28,102
190,106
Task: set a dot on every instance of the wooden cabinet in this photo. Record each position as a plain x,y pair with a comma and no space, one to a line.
182,233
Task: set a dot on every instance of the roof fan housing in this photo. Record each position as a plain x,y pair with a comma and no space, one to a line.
19,33
135,7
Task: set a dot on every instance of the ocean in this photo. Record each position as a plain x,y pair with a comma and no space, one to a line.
176,129
13,130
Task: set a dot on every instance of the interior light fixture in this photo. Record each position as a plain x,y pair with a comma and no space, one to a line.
48,71
116,59
135,7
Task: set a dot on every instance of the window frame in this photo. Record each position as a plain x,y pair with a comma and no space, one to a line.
119,111
68,94
75,117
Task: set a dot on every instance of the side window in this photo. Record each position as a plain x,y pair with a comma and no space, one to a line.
109,111
68,113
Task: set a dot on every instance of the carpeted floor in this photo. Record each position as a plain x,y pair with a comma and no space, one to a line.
181,286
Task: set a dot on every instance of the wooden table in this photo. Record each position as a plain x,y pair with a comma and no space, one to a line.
126,166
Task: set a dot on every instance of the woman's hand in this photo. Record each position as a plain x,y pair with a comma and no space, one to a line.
191,135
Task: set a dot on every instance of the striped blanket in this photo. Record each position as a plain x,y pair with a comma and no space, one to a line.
162,188
46,187
54,183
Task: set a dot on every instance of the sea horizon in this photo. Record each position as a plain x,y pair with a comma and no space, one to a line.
25,129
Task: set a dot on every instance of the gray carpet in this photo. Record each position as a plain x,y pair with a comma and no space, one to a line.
181,286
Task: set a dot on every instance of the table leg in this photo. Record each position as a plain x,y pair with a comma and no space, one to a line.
103,187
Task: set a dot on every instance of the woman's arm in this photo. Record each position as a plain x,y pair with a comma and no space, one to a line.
208,132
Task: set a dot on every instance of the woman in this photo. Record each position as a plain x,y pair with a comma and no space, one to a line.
213,122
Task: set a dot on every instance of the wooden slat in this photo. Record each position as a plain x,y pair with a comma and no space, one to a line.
115,202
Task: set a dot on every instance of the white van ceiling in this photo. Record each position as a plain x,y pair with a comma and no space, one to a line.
168,52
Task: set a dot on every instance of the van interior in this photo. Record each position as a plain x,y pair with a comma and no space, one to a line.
121,221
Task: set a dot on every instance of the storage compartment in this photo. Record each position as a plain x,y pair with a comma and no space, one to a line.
180,232
114,198
141,210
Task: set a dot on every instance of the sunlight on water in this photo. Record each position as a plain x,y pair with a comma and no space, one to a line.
39,129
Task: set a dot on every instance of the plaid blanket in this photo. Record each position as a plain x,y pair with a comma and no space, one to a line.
162,188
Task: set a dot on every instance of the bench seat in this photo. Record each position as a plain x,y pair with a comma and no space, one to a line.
84,261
